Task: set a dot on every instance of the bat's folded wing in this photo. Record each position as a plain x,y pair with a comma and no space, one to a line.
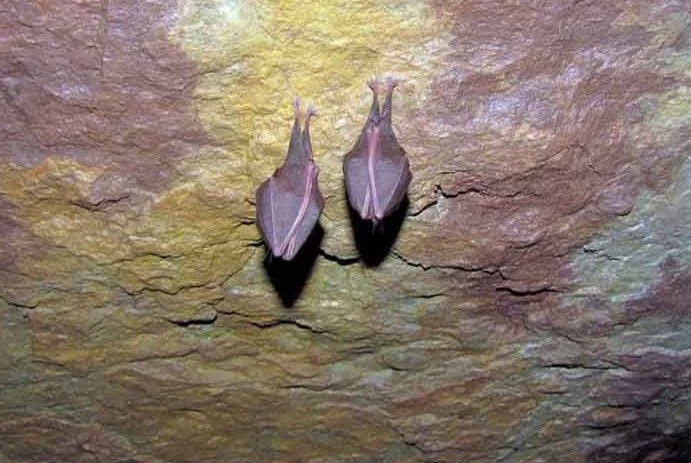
391,179
376,185
356,174
288,210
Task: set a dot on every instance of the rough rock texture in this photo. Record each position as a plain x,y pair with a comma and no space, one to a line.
530,304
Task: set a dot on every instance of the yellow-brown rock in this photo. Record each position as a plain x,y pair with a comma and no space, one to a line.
529,304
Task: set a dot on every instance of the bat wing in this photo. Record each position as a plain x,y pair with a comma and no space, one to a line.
376,182
356,174
288,207
391,179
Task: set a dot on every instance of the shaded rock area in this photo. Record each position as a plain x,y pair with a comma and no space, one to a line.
529,303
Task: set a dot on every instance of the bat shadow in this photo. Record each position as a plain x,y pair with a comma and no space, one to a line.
290,277
374,242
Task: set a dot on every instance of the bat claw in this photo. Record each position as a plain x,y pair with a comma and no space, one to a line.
296,105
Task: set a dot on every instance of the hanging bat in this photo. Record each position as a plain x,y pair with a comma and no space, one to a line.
289,202
377,172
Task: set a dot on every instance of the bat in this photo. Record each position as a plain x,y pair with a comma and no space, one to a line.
289,202
376,170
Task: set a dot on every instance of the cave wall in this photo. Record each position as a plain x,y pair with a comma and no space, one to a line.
528,304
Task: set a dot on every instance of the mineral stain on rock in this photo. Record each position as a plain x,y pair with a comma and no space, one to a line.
100,83
549,144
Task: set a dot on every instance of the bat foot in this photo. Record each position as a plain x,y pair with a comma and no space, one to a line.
391,83
296,105
376,85
311,111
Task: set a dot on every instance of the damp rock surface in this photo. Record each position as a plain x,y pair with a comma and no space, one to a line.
529,303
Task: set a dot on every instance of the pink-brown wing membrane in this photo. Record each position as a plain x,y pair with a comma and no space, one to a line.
289,202
376,170
391,177
355,171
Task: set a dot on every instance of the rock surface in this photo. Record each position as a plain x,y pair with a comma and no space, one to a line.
530,304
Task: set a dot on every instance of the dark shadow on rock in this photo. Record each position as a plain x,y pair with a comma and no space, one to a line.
289,277
638,445
655,388
374,243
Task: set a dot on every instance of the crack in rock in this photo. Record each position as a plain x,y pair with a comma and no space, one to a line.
289,322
